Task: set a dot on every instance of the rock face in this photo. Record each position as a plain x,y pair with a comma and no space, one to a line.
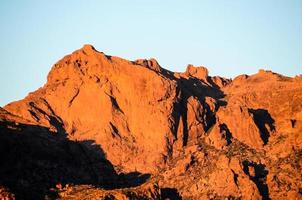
122,105
102,122
197,72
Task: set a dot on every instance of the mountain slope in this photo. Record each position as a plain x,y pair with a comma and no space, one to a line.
200,136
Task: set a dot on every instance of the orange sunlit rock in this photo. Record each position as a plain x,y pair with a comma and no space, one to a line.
121,129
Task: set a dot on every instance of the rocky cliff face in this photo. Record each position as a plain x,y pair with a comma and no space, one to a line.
141,131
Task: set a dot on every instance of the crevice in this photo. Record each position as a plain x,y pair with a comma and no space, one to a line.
183,114
293,122
73,98
34,115
75,95
114,103
114,130
224,130
235,177
264,122
53,119
209,118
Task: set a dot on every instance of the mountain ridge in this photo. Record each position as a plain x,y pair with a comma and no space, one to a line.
186,134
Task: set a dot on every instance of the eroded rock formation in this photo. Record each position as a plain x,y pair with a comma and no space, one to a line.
121,129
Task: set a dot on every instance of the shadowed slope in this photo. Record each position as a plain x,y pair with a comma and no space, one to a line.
35,159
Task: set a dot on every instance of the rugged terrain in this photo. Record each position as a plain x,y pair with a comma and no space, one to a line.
107,128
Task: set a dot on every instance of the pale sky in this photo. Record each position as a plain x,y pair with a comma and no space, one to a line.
229,37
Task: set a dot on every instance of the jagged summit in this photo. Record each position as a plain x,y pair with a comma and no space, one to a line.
87,58
199,72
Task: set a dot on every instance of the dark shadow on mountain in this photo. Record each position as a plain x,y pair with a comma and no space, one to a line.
293,122
221,103
264,122
224,130
199,90
56,121
170,194
258,177
132,179
34,159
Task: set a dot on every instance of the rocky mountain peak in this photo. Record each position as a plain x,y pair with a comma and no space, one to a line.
199,72
119,129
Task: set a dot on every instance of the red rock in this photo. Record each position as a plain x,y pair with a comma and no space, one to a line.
111,123
197,72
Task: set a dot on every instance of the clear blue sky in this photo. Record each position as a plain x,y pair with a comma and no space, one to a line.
229,37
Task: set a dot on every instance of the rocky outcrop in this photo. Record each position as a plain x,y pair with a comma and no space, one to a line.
141,131
151,64
197,72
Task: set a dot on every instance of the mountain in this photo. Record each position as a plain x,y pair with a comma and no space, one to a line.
105,127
